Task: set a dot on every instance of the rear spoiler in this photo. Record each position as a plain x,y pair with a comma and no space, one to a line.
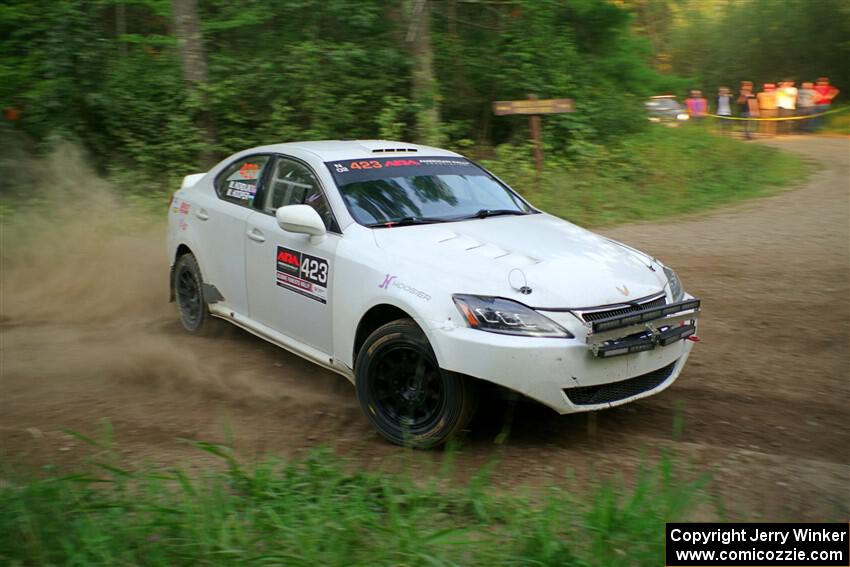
190,180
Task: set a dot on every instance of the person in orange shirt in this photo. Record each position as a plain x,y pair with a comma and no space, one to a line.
768,108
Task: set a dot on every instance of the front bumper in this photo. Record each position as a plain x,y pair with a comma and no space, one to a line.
564,374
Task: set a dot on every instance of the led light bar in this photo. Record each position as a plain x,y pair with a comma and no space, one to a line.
676,334
626,346
646,341
643,315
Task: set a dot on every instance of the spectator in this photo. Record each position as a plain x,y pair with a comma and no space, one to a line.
697,105
747,107
724,106
806,105
767,108
825,94
786,103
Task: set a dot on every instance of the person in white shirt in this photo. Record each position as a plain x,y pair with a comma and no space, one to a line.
724,106
786,102
806,97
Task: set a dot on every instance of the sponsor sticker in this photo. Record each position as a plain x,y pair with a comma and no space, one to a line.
303,273
392,281
240,190
249,171
359,170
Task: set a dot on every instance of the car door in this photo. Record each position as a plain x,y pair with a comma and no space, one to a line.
219,218
290,276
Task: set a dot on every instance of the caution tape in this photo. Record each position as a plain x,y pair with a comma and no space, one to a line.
807,116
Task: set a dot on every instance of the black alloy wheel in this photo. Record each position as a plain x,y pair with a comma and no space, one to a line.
406,386
188,291
405,394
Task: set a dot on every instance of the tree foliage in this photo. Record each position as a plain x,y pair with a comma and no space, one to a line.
108,73
722,42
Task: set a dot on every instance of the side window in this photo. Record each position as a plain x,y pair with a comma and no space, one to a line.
292,183
238,182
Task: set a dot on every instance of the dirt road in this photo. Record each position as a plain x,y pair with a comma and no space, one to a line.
86,336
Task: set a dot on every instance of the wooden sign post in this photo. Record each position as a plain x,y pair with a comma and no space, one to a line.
534,107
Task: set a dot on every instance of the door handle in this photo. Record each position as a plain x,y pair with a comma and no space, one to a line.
202,214
256,235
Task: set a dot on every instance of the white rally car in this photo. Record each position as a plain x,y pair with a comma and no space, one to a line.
415,273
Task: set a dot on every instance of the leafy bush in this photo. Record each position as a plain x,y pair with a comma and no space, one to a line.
652,174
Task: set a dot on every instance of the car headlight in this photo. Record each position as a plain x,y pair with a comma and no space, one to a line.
498,315
682,117
676,289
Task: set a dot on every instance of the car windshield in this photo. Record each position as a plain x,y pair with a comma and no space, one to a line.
391,191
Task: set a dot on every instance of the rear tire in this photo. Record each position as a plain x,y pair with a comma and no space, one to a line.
409,399
189,295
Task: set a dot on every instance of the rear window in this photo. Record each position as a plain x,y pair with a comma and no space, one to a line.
238,182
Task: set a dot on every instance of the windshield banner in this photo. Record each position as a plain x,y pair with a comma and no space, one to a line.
359,170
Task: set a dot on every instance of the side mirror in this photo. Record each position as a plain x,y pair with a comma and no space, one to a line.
302,219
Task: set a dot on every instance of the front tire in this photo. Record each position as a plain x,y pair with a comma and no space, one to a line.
409,399
189,294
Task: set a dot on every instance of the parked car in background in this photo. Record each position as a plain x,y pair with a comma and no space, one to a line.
666,109
416,274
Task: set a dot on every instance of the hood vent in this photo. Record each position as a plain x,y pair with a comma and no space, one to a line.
393,150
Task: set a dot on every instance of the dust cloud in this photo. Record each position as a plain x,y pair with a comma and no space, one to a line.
77,253
84,290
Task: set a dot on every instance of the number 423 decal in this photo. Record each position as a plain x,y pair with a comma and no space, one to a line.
302,273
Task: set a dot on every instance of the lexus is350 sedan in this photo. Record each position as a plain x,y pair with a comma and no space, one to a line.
417,274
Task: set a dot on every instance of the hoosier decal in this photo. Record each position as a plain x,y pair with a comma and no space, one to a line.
303,273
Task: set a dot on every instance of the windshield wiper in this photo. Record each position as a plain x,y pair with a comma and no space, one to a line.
484,213
405,221
408,221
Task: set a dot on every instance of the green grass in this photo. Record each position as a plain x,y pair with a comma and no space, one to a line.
837,123
314,511
653,174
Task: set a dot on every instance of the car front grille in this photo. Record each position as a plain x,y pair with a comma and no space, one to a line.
615,391
622,308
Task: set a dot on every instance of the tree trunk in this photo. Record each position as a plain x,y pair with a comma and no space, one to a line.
426,95
187,30
121,26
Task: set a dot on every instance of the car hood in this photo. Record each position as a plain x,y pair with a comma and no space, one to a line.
563,264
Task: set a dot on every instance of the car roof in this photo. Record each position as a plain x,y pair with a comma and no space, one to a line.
331,150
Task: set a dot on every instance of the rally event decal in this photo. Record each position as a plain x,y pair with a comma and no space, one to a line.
241,190
303,273
359,170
